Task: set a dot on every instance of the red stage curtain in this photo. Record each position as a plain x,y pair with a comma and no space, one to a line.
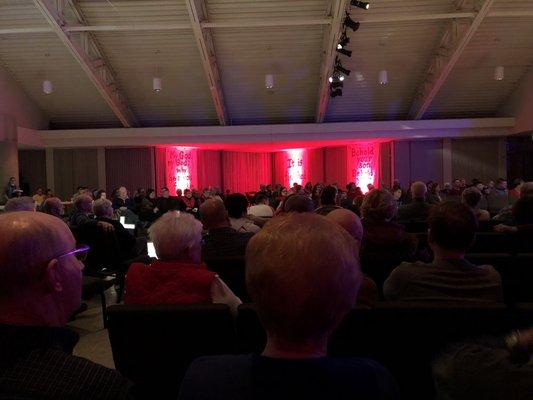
363,164
315,165
279,168
160,169
209,168
243,172
335,161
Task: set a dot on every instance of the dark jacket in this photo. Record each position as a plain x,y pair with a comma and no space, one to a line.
126,241
418,209
224,242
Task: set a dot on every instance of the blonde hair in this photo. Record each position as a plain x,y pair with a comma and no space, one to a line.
302,272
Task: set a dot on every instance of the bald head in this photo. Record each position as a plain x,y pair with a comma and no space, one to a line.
418,190
302,272
28,242
298,203
214,214
349,221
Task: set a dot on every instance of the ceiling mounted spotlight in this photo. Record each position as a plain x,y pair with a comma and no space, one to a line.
336,92
330,79
347,53
361,4
341,78
157,84
340,69
269,81
48,87
383,77
350,23
499,73
343,41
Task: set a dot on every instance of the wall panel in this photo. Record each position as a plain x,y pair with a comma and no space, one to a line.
32,167
479,158
129,167
73,168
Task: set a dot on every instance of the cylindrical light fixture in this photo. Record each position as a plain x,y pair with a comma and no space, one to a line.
157,84
48,87
499,73
383,77
269,81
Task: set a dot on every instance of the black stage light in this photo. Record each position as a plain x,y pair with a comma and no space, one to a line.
350,23
336,85
336,92
361,4
345,52
343,41
339,68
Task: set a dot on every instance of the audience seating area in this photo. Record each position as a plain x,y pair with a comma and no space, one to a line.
153,345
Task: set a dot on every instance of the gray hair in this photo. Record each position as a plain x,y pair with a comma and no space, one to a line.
20,204
103,208
176,233
379,204
53,206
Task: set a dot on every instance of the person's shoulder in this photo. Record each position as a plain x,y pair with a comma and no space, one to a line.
75,377
367,375
216,377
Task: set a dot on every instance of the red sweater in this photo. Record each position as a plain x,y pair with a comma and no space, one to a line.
168,283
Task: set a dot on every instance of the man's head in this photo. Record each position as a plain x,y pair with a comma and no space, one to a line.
302,272
179,192
471,196
177,237
328,196
214,214
20,204
33,275
187,193
83,204
39,191
349,221
501,184
418,190
380,205
260,198
236,204
122,192
452,227
103,208
53,206
298,203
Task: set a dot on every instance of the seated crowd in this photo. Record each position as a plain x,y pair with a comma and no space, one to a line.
312,253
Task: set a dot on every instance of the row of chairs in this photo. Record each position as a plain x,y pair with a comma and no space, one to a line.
154,345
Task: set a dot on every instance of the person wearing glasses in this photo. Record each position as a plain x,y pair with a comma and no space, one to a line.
40,288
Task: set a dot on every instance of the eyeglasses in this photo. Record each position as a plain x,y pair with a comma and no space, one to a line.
80,252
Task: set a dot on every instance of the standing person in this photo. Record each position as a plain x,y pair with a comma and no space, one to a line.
498,197
40,289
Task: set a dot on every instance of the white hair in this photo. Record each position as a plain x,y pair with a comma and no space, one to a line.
176,233
103,208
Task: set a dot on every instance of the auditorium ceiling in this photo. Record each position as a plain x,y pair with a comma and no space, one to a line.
213,58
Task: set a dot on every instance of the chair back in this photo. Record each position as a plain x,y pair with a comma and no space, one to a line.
404,337
232,270
154,345
104,248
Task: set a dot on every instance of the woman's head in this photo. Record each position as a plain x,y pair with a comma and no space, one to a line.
177,236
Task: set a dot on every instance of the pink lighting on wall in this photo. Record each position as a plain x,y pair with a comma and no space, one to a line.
363,164
181,168
295,166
